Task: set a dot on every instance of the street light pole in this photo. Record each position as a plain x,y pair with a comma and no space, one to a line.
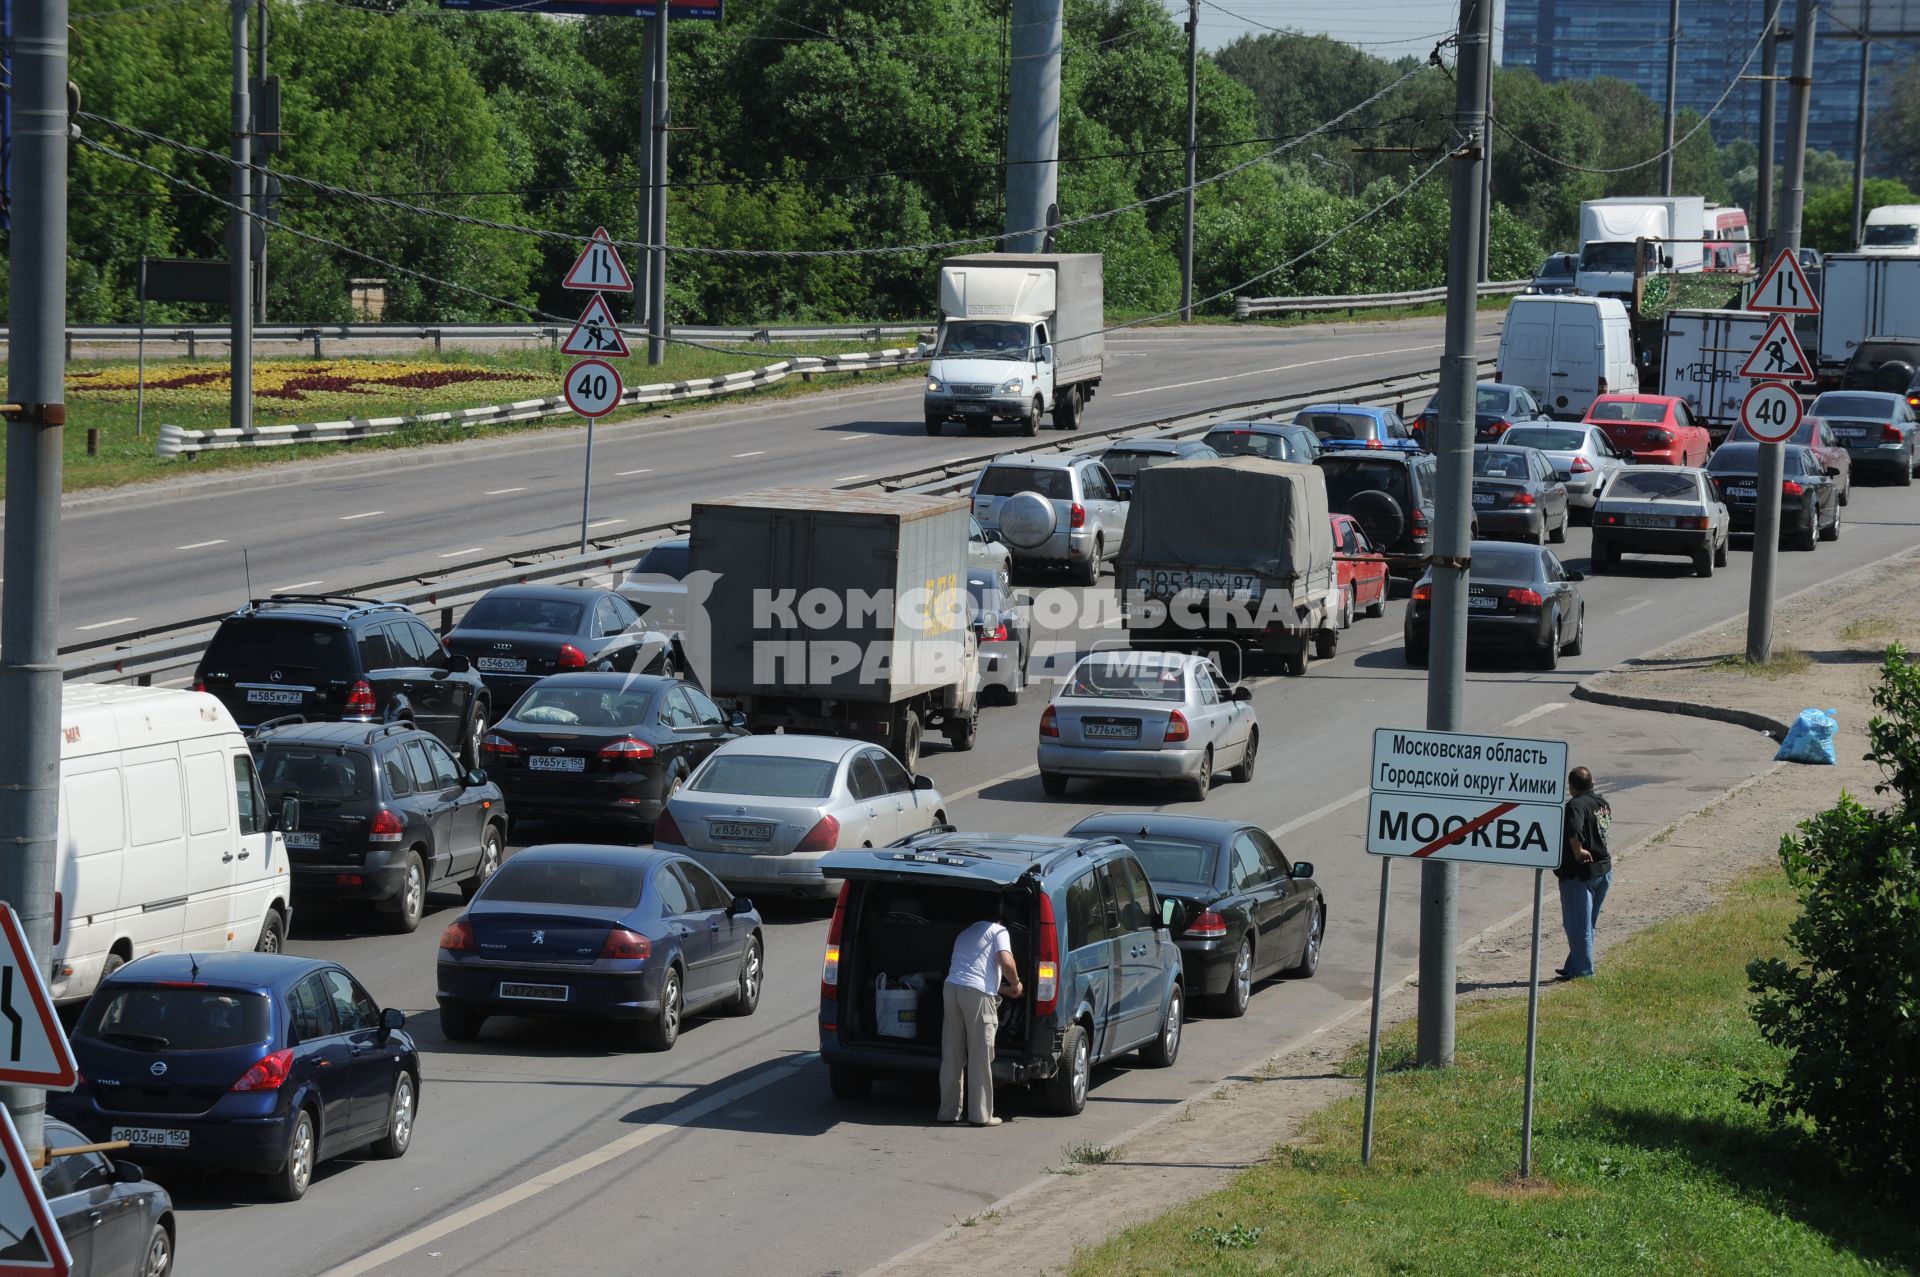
1193,140
1673,82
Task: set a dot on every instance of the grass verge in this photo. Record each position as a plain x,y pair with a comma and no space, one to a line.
1645,1158
1784,662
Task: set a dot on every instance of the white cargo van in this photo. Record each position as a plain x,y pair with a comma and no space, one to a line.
165,841
1568,351
1892,230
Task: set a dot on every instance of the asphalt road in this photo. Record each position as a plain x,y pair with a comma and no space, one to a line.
138,560
548,1148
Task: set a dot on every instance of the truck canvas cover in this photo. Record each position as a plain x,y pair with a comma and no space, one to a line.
1246,513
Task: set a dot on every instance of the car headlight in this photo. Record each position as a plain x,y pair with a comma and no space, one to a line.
933,387
1012,386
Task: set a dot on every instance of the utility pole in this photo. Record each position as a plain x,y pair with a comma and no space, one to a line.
1193,140
36,417
643,278
1673,81
1860,135
657,202
240,234
260,154
1766,518
1763,185
1453,507
1033,124
1486,184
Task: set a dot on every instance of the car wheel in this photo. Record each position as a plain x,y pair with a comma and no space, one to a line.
1832,531
1165,1049
1067,1088
1233,1003
490,849
1548,657
476,730
1416,655
751,972
1579,643
1599,559
1294,664
457,1024
1905,479
906,740
962,733
934,424
411,904
1310,951
1539,535
663,1030
1378,607
1053,783
273,934
1805,537
289,1183
1720,553
1242,772
400,1111
1066,409
1703,563
1326,644
1559,535
159,1257
1090,575
1846,493
1348,609
1194,788
849,1084
1030,425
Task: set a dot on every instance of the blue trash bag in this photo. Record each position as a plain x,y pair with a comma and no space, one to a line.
1810,739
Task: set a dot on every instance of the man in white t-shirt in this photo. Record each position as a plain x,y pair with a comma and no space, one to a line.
982,968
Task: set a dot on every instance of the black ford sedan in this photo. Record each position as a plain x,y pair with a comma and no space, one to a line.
1518,597
518,634
1247,912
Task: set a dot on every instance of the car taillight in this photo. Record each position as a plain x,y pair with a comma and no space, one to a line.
1522,498
1046,979
59,915
1913,401
1791,488
458,937
1694,522
628,750
498,746
1580,465
199,684
570,658
830,970
1890,433
1176,726
1419,520
1076,515
1422,593
1375,443
1524,597
666,829
622,943
1049,722
1609,519
269,1074
1658,438
1208,926
360,699
824,835
386,827
998,634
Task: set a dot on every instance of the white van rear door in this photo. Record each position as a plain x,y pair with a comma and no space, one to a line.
213,849
1525,343
1577,342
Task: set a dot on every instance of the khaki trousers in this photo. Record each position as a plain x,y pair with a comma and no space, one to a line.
967,1026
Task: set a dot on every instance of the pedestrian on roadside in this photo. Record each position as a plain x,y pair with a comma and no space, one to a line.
1585,871
982,970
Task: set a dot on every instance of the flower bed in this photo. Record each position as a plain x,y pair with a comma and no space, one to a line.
305,388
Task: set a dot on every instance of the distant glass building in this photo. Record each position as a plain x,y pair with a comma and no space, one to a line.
1626,39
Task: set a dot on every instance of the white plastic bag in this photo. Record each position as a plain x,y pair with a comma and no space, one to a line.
896,1008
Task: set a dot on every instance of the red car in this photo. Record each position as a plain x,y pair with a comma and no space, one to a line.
1651,430
1362,571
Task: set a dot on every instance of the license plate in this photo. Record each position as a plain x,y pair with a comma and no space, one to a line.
308,840
1484,498
1482,602
535,992
740,831
1740,492
1649,520
272,696
555,763
1843,432
151,1136
1110,731
501,665
1165,584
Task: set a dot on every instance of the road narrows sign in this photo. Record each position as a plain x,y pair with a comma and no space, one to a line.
1778,355
1449,796
1771,412
599,269
30,1242
33,1049
593,387
596,332
1784,290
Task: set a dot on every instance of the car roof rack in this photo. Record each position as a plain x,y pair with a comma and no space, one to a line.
352,605
275,724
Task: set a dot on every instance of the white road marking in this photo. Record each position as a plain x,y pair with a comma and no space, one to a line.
1301,822
297,585
101,625
605,523
849,478
758,452
626,473
472,549
1635,607
1534,713
1382,641
501,492
1262,372
201,545
365,514
851,438
527,1189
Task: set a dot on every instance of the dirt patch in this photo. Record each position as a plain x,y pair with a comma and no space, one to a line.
1842,626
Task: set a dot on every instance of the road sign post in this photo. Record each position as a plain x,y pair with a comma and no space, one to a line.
593,385
1777,360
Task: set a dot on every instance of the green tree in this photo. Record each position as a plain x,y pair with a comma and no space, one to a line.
1826,223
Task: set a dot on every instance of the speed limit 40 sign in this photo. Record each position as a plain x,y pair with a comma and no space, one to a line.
593,388
1771,412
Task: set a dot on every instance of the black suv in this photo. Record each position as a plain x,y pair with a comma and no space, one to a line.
386,814
1883,363
1390,495
333,658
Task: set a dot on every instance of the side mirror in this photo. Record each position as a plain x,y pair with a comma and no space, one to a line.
287,819
1303,869
1169,911
458,663
992,535
737,721
739,906
392,1020
1574,574
1243,693
128,1173
1833,472
923,782
1046,354
473,777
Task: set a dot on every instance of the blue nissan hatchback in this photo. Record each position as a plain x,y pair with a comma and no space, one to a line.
255,1062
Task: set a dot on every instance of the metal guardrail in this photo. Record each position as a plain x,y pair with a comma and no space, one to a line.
144,655
1249,307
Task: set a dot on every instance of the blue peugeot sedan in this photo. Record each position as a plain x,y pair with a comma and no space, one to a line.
254,1062
631,936
1349,425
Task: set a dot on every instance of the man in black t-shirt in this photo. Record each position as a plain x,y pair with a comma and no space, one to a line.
1585,871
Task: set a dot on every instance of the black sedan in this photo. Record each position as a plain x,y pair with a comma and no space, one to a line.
1497,408
635,937
116,1222
1126,458
1516,494
1246,911
1517,597
1809,497
518,634
603,746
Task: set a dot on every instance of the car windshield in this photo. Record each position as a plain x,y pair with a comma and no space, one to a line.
1891,235
1737,458
1641,485
1558,264
1496,563
1547,438
560,882
1248,443
1803,433
1004,481
532,616
1124,463
1627,410
175,1019
1128,676
1858,407
1347,479
1339,425
669,559
1613,257
1175,859
339,775
1500,463
766,776
565,706
985,339
252,646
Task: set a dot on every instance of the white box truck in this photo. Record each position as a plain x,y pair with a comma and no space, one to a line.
1703,352
165,842
1862,296
1020,335
1611,231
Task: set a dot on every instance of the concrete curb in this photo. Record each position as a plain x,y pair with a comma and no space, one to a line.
1773,728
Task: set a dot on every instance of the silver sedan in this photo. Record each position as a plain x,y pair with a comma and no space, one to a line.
1166,716
1581,455
762,810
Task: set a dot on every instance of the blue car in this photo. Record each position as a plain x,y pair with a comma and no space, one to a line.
1346,425
253,1062
631,936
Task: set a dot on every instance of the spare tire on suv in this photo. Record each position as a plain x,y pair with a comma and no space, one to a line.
1026,520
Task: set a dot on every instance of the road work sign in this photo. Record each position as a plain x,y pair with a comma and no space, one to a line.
1447,796
33,1048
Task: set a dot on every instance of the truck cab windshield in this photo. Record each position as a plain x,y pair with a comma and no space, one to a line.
1891,235
985,339
1607,257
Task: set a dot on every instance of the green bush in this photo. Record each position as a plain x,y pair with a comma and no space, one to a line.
1848,1012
